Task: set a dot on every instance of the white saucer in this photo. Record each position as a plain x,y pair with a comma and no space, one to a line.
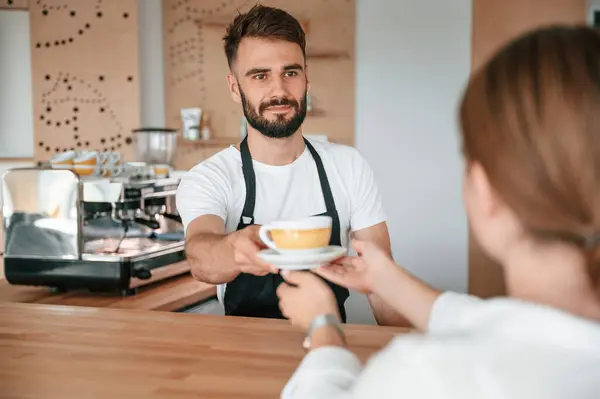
302,261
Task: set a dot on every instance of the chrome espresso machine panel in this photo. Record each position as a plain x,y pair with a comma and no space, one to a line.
40,215
102,234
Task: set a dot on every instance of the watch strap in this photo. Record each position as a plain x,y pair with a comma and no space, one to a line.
321,321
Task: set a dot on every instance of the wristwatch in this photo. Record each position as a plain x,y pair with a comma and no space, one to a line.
321,321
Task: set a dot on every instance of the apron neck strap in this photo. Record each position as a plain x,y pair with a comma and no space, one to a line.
250,180
325,187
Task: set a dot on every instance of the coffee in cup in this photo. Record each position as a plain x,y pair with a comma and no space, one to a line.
88,158
161,170
309,235
87,170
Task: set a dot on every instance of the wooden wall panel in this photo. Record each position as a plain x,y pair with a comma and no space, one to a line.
196,67
85,75
495,22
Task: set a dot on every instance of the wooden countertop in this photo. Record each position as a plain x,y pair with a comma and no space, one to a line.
72,352
166,295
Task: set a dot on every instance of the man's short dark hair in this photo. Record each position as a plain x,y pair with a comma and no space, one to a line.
263,22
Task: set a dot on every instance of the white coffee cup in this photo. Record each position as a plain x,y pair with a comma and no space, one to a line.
304,236
111,158
109,170
63,160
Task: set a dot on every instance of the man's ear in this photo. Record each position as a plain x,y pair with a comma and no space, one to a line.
234,88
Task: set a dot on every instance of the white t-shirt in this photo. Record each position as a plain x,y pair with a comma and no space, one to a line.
475,349
216,187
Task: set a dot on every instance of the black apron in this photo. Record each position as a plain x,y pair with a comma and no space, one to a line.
255,296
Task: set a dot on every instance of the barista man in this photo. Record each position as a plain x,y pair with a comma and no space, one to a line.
273,174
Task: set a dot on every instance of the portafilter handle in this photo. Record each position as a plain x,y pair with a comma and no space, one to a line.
153,224
171,216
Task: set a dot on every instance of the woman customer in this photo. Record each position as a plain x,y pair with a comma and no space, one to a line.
530,121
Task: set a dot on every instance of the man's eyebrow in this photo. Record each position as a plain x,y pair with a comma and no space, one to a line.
255,71
292,67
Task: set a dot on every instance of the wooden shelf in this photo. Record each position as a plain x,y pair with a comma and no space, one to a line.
214,23
327,55
17,159
168,295
225,141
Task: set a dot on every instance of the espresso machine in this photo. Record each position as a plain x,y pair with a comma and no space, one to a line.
102,234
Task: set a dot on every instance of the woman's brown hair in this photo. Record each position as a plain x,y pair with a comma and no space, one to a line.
531,117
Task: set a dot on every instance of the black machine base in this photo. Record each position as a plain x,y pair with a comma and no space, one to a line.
98,276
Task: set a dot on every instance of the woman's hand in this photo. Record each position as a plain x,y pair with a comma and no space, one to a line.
360,273
304,296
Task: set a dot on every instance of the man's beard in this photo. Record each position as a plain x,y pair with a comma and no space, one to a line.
279,128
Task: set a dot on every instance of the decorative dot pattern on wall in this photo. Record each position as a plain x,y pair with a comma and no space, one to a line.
84,64
186,52
58,96
48,9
